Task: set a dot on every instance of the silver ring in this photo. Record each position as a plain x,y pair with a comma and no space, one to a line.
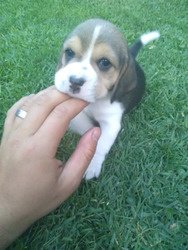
21,113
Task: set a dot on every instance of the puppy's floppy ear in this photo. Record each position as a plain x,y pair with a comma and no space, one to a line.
127,80
130,87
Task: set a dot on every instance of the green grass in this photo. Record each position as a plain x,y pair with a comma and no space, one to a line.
140,200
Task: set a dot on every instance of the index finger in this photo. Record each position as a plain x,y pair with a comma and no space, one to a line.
56,124
39,109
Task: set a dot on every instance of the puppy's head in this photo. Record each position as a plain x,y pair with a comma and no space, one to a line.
93,58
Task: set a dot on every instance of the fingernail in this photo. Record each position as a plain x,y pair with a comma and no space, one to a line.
96,134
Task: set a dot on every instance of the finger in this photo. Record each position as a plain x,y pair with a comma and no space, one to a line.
56,124
43,103
76,166
11,114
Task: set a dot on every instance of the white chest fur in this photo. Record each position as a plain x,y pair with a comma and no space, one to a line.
103,110
108,115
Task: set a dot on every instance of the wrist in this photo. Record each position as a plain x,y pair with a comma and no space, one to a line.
6,238
8,231
10,225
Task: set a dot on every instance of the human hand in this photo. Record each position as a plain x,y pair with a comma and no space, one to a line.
32,181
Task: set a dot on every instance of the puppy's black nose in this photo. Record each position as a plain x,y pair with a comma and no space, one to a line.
77,81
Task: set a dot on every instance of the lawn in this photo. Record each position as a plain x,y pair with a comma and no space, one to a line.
140,200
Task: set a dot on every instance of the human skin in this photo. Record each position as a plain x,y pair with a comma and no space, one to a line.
33,181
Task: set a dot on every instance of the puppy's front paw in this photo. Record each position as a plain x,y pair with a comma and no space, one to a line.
92,172
94,168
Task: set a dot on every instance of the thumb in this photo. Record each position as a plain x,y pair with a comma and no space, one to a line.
76,166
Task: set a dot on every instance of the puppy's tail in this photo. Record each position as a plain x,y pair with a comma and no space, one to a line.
143,40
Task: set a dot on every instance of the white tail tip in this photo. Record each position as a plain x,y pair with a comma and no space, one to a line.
146,38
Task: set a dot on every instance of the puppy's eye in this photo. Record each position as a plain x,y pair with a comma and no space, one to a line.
69,54
104,64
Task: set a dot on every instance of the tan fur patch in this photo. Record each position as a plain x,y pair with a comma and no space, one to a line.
106,79
74,43
103,50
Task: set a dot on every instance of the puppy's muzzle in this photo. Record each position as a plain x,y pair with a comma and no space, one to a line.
76,83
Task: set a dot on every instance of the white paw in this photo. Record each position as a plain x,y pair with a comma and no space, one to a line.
92,173
94,168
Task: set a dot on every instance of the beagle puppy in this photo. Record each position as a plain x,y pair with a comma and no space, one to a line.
97,66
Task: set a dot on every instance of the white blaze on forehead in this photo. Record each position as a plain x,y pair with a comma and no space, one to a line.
93,40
